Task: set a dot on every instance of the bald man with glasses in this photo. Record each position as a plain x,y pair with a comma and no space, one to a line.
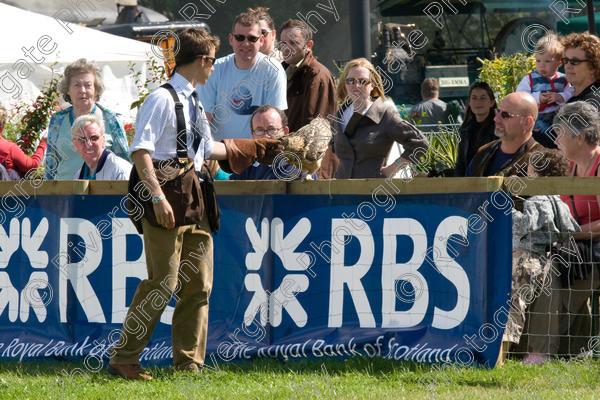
241,82
509,155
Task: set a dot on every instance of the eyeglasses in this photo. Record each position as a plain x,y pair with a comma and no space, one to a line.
507,115
251,39
209,58
354,81
269,131
572,61
265,31
83,139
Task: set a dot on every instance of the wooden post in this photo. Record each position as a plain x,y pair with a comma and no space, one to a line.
591,17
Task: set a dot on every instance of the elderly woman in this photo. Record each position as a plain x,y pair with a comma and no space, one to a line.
14,160
578,126
582,66
82,87
89,140
367,126
478,127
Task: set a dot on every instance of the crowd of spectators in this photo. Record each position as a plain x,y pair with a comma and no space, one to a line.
268,88
81,86
552,111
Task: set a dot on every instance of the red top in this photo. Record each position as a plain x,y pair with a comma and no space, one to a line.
587,207
13,157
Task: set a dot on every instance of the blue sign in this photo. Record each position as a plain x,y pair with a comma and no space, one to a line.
408,277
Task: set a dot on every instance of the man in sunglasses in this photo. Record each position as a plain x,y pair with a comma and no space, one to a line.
267,28
177,230
509,155
242,82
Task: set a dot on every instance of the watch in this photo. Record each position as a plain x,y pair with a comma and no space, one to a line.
158,199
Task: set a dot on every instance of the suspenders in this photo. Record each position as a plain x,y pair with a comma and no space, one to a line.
182,151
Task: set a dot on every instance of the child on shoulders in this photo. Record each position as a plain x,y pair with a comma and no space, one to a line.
548,86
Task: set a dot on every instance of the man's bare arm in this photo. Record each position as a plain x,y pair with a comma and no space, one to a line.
163,211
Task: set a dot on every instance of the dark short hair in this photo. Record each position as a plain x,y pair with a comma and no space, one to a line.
245,19
557,164
429,87
263,15
294,23
483,86
263,109
194,42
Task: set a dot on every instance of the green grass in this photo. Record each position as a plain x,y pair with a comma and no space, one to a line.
272,379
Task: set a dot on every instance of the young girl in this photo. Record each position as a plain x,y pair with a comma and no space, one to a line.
542,221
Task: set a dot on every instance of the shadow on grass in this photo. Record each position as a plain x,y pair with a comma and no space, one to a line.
377,368
53,367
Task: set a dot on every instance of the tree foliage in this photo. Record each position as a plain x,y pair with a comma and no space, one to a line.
503,74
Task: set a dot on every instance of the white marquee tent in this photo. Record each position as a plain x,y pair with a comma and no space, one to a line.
32,43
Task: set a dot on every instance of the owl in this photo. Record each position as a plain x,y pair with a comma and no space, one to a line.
307,145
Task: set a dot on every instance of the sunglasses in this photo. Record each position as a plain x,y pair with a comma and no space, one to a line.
251,39
507,115
572,61
354,81
209,58
264,31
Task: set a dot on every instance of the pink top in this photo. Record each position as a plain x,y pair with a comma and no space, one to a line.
587,206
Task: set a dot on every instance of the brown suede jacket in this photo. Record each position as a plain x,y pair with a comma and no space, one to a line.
311,92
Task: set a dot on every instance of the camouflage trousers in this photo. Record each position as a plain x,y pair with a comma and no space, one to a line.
534,287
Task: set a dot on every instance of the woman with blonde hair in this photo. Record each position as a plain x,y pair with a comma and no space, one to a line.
367,126
81,86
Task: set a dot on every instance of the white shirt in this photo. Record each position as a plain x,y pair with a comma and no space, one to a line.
156,124
110,168
348,114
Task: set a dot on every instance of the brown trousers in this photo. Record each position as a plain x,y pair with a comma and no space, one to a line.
178,260
577,318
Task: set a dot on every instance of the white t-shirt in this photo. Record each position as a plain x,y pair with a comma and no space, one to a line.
232,94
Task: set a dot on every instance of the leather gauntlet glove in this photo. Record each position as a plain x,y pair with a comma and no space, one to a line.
242,153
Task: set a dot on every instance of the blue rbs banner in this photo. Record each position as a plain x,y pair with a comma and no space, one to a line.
409,277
